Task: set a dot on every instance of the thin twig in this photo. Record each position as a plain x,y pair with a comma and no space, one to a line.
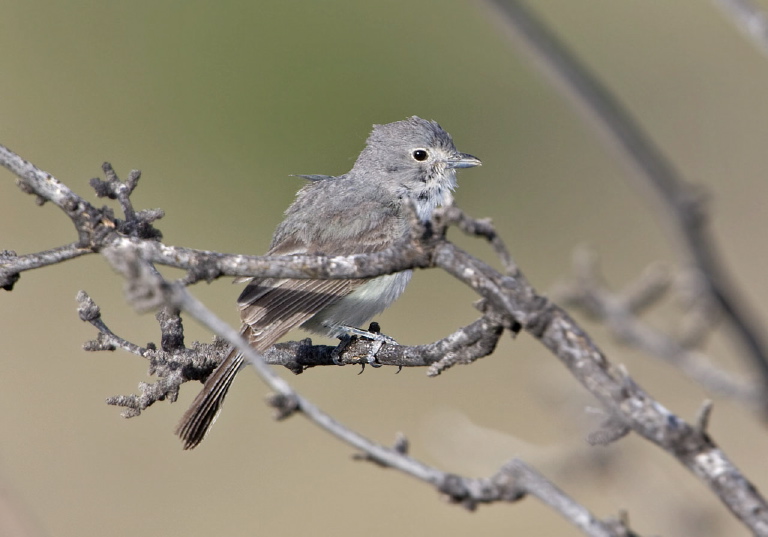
506,297
749,18
515,480
619,313
684,202
618,392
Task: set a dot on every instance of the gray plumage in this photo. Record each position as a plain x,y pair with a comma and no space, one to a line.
362,211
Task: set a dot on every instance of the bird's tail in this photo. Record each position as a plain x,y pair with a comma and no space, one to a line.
197,420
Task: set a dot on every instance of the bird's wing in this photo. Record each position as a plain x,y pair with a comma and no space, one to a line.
271,307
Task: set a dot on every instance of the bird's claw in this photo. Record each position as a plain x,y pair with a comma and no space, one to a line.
344,341
378,341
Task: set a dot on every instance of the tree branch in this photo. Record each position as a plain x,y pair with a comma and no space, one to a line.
513,482
509,301
684,201
175,364
619,312
748,18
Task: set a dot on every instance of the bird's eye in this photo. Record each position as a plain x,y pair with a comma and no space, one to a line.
420,154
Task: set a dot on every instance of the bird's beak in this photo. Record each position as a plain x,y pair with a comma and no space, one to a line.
462,160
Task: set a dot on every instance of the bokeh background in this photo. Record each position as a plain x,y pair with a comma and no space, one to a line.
217,104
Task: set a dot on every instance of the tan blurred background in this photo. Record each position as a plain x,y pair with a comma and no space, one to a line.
218,104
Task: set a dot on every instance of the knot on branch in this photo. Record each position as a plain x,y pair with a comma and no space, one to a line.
171,329
401,447
103,342
140,225
204,269
611,429
87,308
692,203
541,313
8,279
285,405
469,493
25,187
136,223
455,491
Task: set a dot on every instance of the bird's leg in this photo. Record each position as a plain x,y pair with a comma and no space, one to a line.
373,334
344,341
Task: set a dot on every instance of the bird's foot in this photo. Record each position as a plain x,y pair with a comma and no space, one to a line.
349,333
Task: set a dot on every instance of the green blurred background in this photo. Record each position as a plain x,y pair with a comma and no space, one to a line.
218,104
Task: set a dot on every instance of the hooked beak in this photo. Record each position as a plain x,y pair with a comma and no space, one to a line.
463,160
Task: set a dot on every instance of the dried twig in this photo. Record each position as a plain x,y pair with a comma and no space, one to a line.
749,18
685,202
620,313
508,301
512,483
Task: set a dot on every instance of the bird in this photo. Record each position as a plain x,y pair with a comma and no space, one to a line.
366,210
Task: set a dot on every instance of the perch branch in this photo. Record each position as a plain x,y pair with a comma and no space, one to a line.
510,299
512,483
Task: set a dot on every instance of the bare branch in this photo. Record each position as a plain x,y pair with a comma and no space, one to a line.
621,396
512,483
702,419
683,200
749,18
11,264
479,228
33,180
516,474
619,313
174,364
508,301
613,428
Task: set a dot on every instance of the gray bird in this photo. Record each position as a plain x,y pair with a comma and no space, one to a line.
362,211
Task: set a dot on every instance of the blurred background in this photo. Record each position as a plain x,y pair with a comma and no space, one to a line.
217,104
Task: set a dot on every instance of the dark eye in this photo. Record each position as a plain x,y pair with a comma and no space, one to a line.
420,155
